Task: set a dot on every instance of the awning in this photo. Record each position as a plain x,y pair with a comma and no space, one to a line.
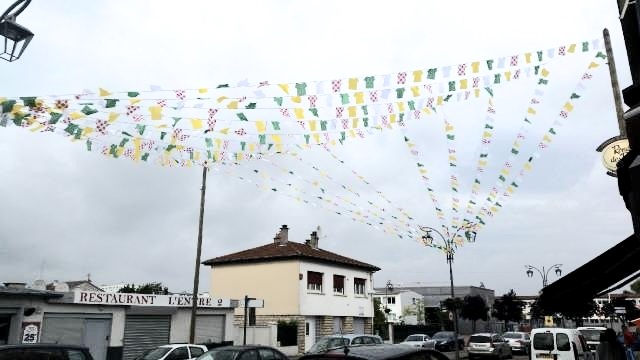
610,268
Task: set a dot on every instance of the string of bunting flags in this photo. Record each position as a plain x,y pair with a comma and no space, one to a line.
232,124
493,204
187,127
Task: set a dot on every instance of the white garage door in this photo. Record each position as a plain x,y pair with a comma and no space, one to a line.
209,328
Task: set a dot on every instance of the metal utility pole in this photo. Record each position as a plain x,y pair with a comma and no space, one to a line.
615,86
196,275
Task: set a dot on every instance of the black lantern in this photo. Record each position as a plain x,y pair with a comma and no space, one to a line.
558,271
16,36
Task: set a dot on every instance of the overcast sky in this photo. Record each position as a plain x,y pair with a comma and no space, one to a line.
66,212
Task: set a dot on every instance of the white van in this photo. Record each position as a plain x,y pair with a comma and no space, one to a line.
559,344
592,335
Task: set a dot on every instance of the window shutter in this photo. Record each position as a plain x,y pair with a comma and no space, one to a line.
338,281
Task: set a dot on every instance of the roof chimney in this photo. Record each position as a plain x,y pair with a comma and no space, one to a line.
282,237
313,242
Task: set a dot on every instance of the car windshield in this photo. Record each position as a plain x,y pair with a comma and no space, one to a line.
591,335
442,335
512,335
156,353
327,343
480,339
219,355
414,338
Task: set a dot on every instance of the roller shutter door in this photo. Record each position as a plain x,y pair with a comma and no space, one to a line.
62,330
143,332
209,328
358,325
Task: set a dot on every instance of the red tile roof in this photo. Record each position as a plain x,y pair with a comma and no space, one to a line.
287,251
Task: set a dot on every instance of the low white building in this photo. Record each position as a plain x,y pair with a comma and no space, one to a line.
401,306
114,326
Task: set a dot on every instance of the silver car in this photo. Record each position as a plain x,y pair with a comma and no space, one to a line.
488,345
419,340
519,341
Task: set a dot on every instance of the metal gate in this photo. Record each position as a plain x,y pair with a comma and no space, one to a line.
209,328
90,330
62,330
358,325
144,332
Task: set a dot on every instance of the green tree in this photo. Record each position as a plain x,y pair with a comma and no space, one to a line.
631,312
379,318
635,286
580,310
474,308
148,288
608,310
508,307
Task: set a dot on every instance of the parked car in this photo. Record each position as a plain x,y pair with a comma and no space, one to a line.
253,352
419,340
445,341
378,352
338,341
519,341
173,352
488,345
44,351
592,335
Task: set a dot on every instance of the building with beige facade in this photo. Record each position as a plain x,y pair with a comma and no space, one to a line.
322,292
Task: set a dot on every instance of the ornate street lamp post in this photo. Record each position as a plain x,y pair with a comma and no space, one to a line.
387,290
544,273
449,247
16,36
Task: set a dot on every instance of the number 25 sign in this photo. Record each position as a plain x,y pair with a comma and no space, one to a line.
30,331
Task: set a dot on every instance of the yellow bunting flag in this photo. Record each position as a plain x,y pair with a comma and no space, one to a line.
299,112
415,90
359,97
203,90
313,125
507,75
86,131
113,117
232,105
392,119
572,48
137,145
284,87
475,67
568,106
546,138
316,138
276,139
261,126
417,76
104,92
476,92
134,101
464,84
156,112
544,72
353,84
400,106
448,127
531,111
296,99
221,99
593,65
352,111
224,131
76,115
354,123
527,58
196,124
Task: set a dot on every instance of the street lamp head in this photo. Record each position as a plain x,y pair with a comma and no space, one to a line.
471,235
428,236
389,286
558,271
529,272
16,36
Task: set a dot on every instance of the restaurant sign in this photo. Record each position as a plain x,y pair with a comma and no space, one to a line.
612,151
105,298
